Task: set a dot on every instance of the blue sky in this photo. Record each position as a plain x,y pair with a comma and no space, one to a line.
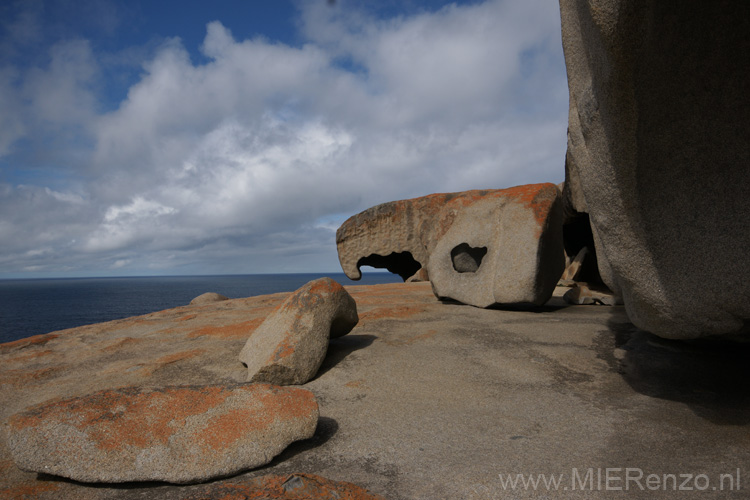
192,137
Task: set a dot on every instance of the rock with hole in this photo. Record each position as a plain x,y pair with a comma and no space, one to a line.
290,345
482,248
173,434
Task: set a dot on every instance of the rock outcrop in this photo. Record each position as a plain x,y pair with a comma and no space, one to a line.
658,156
208,298
174,434
417,397
290,345
479,247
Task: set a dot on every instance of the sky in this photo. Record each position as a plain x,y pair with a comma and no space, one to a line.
148,137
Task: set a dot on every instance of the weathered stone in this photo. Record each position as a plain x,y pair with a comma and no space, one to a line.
658,156
290,345
208,298
478,247
174,434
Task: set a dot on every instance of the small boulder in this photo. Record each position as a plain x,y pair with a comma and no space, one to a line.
173,434
208,298
290,345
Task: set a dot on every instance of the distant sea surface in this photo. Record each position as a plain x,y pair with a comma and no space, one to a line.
33,306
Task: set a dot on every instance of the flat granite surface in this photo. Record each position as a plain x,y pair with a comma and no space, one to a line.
433,400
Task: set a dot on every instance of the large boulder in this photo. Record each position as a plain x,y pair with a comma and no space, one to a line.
290,345
482,248
658,156
173,434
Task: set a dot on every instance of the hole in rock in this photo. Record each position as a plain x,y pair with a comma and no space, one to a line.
576,235
467,259
401,263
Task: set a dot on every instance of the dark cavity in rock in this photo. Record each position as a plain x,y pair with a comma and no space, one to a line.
401,263
467,259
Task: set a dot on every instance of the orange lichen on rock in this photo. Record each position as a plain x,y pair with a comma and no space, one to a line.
286,487
28,491
36,340
22,376
233,331
176,434
324,287
24,356
537,197
225,429
125,417
284,349
119,344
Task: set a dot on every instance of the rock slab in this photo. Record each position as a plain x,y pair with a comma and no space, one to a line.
174,434
290,345
501,246
658,156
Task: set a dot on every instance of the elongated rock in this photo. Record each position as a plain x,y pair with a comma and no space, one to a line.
290,345
482,248
174,434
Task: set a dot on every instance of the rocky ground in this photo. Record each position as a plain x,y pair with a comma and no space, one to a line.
429,400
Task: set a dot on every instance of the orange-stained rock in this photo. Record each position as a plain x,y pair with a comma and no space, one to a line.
290,345
177,434
286,487
501,246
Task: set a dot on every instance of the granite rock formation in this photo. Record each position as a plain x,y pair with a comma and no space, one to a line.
290,345
478,247
174,434
658,156
417,400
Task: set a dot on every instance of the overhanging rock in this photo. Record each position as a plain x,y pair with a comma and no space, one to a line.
482,248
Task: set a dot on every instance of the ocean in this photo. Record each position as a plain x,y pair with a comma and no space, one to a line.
34,306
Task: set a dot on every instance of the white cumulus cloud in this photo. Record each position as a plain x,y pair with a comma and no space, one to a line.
248,160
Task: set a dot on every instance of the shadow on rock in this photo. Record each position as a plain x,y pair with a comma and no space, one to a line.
552,305
710,376
327,428
339,348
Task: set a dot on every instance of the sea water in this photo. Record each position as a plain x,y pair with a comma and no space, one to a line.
34,306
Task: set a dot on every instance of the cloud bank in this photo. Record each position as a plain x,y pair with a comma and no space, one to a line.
248,160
